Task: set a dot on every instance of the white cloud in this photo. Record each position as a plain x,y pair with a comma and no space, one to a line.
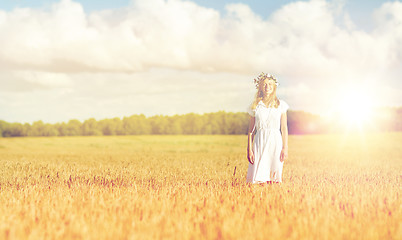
182,35
173,48
104,95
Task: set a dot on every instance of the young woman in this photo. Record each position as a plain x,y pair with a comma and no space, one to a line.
268,148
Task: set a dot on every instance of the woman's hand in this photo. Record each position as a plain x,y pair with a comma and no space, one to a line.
284,154
250,156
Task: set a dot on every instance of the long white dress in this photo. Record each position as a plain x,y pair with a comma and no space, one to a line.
267,145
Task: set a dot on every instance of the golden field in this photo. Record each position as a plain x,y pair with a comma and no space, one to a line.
186,187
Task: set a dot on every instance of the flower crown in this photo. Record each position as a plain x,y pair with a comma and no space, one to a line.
262,77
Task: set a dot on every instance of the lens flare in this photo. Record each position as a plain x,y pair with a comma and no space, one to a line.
355,109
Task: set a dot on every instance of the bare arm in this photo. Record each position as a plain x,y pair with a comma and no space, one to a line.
250,154
284,131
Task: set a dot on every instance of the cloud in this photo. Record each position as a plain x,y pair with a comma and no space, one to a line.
167,49
105,95
183,35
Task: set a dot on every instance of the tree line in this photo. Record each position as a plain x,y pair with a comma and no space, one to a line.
222,122
210,123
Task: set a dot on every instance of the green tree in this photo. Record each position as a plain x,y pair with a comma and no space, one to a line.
37,128
112,126
192,124
119,128
14,130
3,127
90,128
159,124
50,130
61,128
174,125
136,124
73,128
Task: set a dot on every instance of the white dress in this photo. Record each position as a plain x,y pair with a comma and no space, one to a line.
267,144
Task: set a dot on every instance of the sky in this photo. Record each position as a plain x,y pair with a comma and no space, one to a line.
62,60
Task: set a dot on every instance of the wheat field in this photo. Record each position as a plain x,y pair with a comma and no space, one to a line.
193,187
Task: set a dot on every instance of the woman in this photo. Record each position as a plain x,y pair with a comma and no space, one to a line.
269,148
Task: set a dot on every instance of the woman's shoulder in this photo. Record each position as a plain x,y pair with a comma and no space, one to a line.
283,105
281,101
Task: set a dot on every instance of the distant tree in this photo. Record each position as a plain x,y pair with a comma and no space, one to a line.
240,123
107,127
221,123
212,121
26,129
3,127
112,126
14,130
50,130
136,124
61,128
174,125
73,128
398,119
386,119
144,125
158,124
236,123
118,123
129,125
207,129
90,128
305,123
192,124
37,128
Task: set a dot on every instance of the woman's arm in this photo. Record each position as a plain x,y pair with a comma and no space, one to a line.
250,154
284,131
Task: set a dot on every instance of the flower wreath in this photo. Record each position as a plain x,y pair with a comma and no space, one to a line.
262,77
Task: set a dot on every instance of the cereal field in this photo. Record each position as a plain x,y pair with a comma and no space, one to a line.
193,187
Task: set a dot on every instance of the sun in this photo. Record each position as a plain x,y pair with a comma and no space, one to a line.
355,108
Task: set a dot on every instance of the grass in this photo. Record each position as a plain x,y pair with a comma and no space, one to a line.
186,187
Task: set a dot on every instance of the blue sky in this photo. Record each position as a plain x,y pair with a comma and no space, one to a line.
262,7
360,10
70,59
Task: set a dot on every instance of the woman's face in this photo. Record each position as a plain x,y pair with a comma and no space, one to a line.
268,86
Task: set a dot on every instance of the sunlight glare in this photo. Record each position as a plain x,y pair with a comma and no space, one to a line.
355,108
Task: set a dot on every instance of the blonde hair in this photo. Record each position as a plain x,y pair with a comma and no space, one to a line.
270,100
